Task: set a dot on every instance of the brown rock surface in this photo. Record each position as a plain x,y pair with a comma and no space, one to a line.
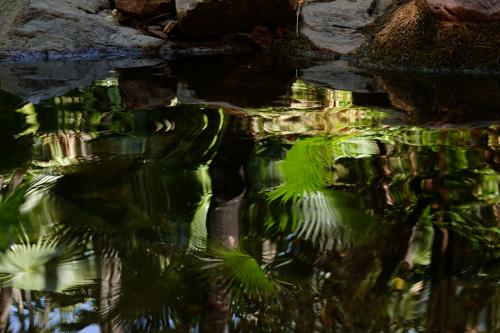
466,10
145,7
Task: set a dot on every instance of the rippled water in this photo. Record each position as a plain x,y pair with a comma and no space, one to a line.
214,196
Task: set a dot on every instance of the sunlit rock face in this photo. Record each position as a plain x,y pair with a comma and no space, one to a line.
336,25
466,10
145,7
57,29
207,17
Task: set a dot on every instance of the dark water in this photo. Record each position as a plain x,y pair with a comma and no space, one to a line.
235,196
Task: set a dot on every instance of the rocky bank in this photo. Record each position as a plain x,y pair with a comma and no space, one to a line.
384,33
34,29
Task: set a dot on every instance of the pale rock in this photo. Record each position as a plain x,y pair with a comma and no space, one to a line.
335,25
33,29
466,10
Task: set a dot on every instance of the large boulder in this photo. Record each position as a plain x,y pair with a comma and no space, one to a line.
199,18
337,25
33,29
466,10
145,7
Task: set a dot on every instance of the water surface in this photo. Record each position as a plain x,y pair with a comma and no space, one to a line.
247,196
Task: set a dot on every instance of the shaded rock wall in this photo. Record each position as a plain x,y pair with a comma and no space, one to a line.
199,18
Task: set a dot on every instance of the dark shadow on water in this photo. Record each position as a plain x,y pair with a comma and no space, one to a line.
439,100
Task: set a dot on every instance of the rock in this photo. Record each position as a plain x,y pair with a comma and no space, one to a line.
37,81
199,18
335,26
33,29
145,7
178,50
466,10
261,36
380,7
340,76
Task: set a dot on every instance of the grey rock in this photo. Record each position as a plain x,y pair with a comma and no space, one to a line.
381,6
335,25
37,81
182,7
172,50
91,7
339,75
33,29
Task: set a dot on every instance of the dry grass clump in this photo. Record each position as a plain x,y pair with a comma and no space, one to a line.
413,36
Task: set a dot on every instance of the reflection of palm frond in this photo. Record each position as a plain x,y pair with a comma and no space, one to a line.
319,222
9,212
304,170
465,220
233,270
26,266
305,173
11,199
308,171
159,305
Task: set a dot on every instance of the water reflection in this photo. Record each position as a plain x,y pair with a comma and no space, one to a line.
154,201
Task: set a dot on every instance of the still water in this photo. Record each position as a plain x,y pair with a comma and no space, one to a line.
232,196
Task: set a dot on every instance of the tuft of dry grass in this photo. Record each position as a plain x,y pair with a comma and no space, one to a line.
412,36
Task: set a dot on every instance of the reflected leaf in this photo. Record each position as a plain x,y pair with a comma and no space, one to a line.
234,270
27,266
304,169
308,170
